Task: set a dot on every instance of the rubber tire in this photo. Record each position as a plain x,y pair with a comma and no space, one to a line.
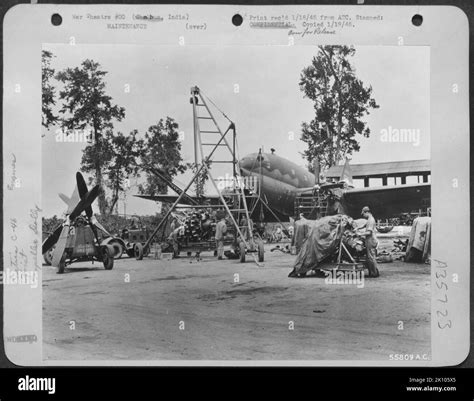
108,257
261,251
48,256
138,251
130,252
118,249
242,252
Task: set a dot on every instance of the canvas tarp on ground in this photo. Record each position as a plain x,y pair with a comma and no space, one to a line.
323,239
419,243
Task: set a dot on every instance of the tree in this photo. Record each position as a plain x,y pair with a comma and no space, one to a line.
161,151
201,179
87,107
50,224
341,101
48,90
124,152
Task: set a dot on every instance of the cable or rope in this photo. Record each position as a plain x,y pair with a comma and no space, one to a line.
228,119
215,105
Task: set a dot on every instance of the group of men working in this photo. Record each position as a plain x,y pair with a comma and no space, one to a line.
369,233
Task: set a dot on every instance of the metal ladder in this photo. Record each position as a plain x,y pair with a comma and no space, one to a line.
203,160
208,140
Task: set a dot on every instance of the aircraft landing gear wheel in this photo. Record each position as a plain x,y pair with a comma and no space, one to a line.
108,257
261,250
138,248
242,252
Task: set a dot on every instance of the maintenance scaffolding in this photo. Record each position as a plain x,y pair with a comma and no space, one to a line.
208,139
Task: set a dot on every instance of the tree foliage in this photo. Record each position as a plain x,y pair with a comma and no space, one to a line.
201,179
48,118
119,153
86,106
162,151
111,157
341,101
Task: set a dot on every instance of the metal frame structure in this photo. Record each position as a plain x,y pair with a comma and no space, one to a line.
204,151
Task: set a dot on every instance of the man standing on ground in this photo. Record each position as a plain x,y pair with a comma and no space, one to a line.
221,229
370,242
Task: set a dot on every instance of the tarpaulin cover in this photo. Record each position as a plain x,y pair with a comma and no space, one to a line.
322,240
420,239
301,230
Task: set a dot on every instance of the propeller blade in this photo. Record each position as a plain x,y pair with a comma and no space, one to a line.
70,201
51,240
85,202
82,186
60,246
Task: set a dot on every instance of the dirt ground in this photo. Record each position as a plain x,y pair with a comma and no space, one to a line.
184,309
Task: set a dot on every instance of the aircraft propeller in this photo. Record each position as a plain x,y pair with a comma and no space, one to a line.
61,233
84,204
82,187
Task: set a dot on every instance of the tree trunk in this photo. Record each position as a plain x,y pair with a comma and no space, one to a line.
113,202
331,148
98,175
114,199
339,132
101,197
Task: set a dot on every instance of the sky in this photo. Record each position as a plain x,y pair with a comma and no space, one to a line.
153,82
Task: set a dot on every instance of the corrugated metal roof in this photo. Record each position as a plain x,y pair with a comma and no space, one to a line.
385,168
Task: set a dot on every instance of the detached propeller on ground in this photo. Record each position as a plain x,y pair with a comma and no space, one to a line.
60,234
83,204
82,187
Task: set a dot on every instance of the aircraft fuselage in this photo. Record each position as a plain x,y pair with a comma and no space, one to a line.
279,179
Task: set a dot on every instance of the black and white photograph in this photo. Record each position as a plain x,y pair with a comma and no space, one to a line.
236,203
241,195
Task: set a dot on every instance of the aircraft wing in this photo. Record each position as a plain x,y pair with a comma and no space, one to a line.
387,201
304,191
172,198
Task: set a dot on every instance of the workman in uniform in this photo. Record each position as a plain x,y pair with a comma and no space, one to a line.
221,229
370,242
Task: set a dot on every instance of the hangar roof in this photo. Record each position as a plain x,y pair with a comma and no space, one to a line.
407,167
